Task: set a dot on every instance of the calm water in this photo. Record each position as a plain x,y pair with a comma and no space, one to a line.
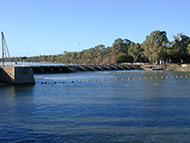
146,110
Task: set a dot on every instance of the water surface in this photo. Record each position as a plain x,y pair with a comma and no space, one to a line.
62,109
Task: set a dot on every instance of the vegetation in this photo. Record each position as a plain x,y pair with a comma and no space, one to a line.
156,48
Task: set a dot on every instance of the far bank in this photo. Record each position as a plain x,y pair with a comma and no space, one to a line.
176,67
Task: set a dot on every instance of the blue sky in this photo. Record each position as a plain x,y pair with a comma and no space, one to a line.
48,27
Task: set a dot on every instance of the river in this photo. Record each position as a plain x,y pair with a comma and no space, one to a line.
105,106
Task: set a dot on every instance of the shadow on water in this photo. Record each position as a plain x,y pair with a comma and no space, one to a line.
16,90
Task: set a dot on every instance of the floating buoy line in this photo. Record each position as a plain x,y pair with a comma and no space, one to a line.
122,79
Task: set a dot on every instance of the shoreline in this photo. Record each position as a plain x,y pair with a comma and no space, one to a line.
176,67
167,67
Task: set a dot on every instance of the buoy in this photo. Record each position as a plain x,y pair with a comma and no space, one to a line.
140,77
122,79
156,77
145,78
95,80
172,76
63,81
134,78
181,76
166,76
116,79
80,81
88,80
186,76
72,81
42,83
102,79
151,77
162,77
128,78
176,76
109,79
55,82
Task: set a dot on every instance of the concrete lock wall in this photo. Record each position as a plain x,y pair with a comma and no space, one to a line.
24,75
17,75
7,74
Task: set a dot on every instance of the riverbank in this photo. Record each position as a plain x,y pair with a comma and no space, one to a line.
167,67
176,67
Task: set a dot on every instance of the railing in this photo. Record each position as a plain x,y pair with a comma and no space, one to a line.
14,64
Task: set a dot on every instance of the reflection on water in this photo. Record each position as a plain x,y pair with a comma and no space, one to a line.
152,110
9,94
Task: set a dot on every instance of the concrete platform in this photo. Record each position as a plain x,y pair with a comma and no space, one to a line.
16,75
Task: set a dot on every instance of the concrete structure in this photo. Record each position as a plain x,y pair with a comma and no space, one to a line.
16,75
75,68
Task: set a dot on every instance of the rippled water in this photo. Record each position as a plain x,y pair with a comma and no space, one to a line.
140,110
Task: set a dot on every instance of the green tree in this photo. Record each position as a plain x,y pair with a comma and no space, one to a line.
188,49
179,48
135,51
154,46
118,47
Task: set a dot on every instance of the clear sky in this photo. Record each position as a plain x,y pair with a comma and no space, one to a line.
48,27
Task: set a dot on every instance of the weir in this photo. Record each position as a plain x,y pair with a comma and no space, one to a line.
75,68
24,74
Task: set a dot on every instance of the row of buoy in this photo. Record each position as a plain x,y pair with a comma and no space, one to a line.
116,79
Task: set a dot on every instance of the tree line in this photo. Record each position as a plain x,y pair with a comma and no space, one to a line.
156,48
